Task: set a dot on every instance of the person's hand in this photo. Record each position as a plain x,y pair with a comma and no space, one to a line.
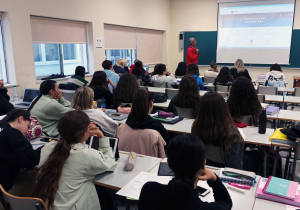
58,94
168,72
197,51
103,110
207,174
1,84
94,130
110,82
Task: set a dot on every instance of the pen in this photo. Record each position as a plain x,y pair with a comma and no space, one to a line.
240,186
132,155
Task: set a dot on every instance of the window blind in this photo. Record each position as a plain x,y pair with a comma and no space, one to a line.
118,37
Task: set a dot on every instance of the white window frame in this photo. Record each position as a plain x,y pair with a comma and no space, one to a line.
3,69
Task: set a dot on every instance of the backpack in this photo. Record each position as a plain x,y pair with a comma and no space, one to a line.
35,129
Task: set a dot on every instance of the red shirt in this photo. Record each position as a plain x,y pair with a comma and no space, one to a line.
192,56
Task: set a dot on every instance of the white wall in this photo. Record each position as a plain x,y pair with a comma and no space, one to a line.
150,14
201,15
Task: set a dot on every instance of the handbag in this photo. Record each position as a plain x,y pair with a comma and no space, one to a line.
35,129
124,109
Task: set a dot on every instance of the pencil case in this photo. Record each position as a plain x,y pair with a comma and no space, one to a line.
130,162
162,114
235,173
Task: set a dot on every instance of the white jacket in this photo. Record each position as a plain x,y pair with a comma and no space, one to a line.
275,76
171,80
107,124
209,73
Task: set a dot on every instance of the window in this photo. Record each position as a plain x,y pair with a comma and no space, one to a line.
114,55
59,46
3,73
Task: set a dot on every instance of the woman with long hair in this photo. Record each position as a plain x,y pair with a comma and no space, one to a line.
49,106
125,90
68,168
140,73
186,158
194,70
239,70
99,84
83,100
243,100
216,128
181,69
213,71
187,97
15,150
224,77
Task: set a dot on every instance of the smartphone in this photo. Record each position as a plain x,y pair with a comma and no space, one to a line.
202,191
115,115
48,139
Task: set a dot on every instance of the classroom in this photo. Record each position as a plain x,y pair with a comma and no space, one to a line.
149,104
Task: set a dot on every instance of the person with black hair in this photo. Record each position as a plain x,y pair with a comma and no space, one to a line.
194,70
99,84
224,78
49,106
162,77
5,106
181,69
186,158
133,66
140,73
275,77
109,71
78,77
15,150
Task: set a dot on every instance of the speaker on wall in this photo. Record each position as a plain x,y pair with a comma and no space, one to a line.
181,34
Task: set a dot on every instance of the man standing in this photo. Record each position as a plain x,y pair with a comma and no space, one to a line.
192,53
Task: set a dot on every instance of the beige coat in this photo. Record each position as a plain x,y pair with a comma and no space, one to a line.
142,141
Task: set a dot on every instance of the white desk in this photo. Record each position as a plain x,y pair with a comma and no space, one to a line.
183,126
285,89
157,90
202,92
273,98
253,137
292,99
162,105
209,85
261,204
289,115
119,178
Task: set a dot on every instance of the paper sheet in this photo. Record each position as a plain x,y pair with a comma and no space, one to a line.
292,208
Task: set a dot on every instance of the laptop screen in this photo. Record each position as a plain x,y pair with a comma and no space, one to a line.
30,94
146,68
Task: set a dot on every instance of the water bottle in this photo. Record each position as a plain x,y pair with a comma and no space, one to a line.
15,91
103,103
262,122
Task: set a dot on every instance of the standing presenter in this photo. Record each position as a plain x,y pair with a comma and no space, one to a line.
192,53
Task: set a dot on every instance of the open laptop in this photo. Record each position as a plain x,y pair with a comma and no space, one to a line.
28,96
146,68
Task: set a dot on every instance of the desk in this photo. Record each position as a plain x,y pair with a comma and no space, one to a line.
285,89
261,204
157,90
292,99
289,115
209,85
274,98
162,105
253,137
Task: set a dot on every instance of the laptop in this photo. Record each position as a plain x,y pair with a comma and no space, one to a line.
28,96
146,68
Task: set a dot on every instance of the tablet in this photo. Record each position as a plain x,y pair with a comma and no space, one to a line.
112,141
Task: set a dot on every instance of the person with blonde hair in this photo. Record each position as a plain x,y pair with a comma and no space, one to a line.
83,100
213,71
239,70
121,66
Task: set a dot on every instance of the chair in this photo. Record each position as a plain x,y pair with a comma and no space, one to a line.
248,119
68,94
261,98
63,86
184,112
267,90
140,82
11,202
144,87
170,93
221,88
223,94
214,153
162,85
209,79
296,93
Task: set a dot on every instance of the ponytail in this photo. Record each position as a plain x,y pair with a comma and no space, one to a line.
14,114
45,88
182,185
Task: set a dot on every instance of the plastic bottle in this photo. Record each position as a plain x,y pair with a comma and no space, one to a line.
262,122
103,103
15,92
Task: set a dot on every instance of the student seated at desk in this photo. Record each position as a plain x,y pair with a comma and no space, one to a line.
125,90
187,97
5,105
121,66
243,100
164,76
239,70
99,84
49,106
224,78
186,158
15,150
194,70
68,168
213,71
140,73
83,100
78,77
139,118
275,77
181,69
214,125
109,71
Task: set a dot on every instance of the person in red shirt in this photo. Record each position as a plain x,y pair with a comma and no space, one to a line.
133,66
192,53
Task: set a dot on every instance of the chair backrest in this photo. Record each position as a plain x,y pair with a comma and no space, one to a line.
63,86
209,79
223,94
170,93
16,203
145,87
162,85
267,90
261,98
68,94
184,112
214,153
297,92
248,119
221,88
140,82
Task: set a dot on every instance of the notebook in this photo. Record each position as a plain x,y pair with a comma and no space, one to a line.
271,110
281,187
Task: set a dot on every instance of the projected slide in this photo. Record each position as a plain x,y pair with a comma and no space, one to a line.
258,34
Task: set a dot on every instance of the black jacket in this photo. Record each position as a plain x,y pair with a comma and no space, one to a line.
119,70
100,92
235,74
146,79
15,153
181,69
150,123
5,106
161,197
